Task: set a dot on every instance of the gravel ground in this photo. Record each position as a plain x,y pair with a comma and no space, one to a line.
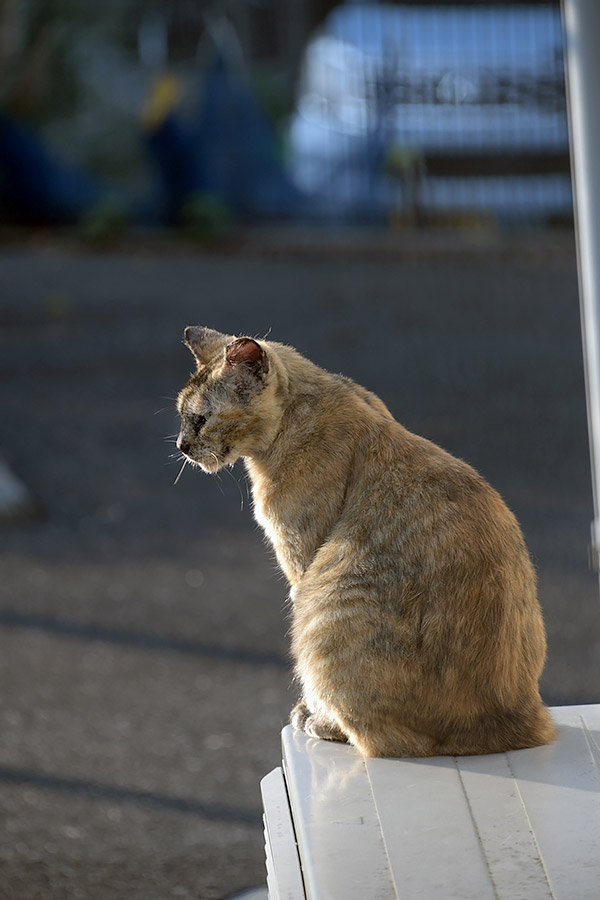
143,651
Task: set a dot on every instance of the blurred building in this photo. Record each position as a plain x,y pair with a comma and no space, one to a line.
420,112
404,113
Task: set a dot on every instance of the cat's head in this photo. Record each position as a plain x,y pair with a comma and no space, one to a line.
228,408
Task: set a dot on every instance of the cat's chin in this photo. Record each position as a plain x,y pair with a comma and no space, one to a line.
210,463
211,466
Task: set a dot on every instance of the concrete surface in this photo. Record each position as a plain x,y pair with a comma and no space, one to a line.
143,650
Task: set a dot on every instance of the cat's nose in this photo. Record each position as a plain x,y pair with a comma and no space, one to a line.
183,444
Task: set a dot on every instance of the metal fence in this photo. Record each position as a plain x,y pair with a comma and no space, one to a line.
402,113
423,113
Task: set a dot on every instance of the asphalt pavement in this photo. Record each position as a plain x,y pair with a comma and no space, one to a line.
144,667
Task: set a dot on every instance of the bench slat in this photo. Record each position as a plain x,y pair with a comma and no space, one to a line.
560,786
524,824
337,827
284,877
428,829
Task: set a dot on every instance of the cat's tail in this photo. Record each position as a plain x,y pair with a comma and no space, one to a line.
531,725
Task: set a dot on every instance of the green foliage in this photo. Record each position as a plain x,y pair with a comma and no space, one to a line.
404,162
205,217
104,223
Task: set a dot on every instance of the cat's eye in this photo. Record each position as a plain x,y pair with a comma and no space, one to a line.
198,422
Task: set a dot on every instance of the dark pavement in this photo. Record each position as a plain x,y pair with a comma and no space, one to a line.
143,652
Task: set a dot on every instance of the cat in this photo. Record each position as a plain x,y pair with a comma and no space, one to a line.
416,628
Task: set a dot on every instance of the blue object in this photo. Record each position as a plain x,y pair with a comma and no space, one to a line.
463,82
173,148
229,152
35,186
239,148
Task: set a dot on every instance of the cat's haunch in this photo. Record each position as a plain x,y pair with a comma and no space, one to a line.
416,628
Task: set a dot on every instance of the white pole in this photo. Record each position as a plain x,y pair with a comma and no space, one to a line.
582,34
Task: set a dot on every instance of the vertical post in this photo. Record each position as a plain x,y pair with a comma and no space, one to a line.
294,27
582,40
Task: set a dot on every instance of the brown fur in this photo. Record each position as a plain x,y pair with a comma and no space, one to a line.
416,627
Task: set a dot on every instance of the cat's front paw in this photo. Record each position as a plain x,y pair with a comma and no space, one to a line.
318,727
299,715
314,724
315,728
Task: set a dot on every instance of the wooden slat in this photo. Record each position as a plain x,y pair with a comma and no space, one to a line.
284,877
502,824
433,848
339,836
524,825
560,787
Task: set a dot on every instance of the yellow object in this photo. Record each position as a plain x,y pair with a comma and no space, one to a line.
165,94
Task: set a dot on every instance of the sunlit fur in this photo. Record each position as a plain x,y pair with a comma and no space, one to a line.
416,628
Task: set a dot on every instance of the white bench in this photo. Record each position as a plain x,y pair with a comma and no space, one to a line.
523,825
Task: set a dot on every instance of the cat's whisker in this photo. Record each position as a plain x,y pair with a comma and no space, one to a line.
231,475
222,492
180,471
247,483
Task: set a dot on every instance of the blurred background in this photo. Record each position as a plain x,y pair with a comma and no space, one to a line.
384,186
198,114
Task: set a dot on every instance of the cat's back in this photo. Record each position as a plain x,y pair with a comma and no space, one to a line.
426,582
415,512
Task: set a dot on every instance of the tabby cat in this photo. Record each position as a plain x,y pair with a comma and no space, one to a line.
416,629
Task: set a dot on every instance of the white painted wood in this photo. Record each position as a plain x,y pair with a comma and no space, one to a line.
502,825
424,813
341,847
523,825
284,878
560,787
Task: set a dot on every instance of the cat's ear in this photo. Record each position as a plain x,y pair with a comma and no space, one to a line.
199,340
246,357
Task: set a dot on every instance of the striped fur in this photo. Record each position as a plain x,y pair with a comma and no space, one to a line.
416,628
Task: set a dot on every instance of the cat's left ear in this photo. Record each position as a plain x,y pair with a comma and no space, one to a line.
194,337
203,342
246,357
